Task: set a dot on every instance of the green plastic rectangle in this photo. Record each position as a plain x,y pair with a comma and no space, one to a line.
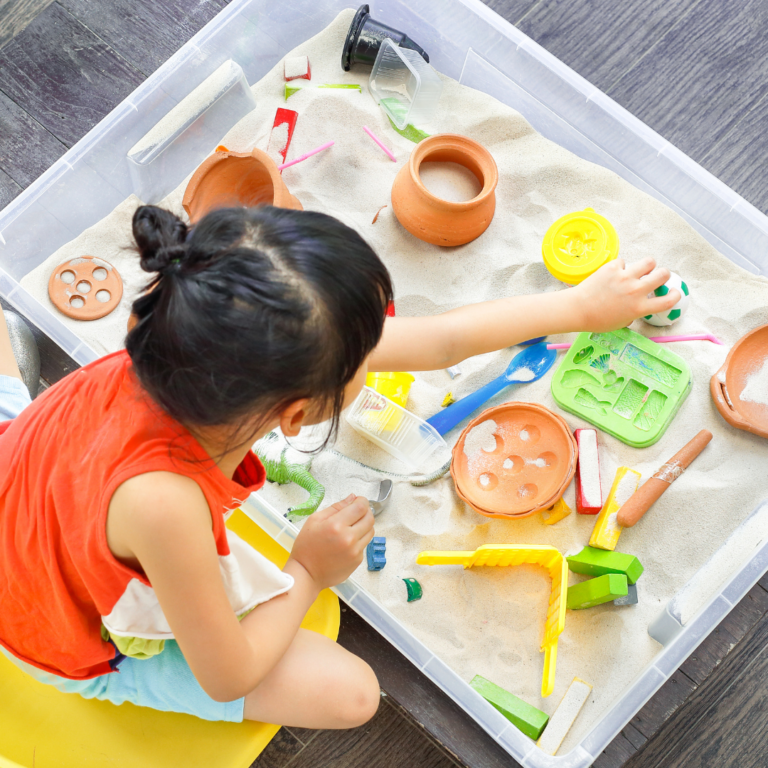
599,562
593,592
623,383
527,718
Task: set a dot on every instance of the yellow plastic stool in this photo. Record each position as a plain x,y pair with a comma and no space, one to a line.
513,554
44,728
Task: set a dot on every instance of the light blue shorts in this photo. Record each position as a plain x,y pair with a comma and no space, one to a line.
164,682
14,397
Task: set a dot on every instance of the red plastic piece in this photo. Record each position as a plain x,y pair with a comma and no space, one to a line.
585,506
391,309
308,76
285,116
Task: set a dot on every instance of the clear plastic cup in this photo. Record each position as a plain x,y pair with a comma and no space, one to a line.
397,431
404,85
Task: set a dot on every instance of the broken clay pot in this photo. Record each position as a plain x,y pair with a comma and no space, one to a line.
236,180
443,222
747,356
529,469
85,288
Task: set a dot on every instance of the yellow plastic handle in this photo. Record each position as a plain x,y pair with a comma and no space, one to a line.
445,558
550,662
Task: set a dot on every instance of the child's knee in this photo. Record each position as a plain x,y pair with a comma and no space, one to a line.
362,699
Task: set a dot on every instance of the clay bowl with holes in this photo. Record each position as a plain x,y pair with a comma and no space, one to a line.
438,221
236,180
528,470
85,288
747,356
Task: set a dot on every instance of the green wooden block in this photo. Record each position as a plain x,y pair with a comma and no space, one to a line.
598,562
528,719
594,592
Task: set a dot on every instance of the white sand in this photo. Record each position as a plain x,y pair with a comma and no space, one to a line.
278,140
756,389
296,66
489,621
449,181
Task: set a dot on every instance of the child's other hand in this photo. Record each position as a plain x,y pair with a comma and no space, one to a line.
616,294
332,542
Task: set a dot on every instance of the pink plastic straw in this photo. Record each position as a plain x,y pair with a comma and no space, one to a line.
658,340
378,141
304,157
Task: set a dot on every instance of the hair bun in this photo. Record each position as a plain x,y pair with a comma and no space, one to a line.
160,236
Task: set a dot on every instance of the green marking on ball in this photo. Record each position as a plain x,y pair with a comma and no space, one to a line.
685,288
674,314
662,290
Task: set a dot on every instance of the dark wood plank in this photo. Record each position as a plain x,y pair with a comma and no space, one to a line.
384,742
633,736
666,700
764,582
512,10
15,15
602,39
143,32
304,735
702,76
55,363
745,172
616,754
26,148
63,75
725,722
279,752
8,188
443,720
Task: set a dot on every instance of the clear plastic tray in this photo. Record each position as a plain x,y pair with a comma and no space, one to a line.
393,428
404,85
86,184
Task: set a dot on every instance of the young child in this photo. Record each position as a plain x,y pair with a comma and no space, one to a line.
118,577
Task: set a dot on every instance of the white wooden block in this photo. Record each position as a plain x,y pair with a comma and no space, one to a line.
565,715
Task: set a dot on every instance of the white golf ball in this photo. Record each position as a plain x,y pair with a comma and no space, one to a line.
674,314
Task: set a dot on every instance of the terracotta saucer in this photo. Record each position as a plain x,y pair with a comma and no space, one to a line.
236,179
747,356
85,288
528,470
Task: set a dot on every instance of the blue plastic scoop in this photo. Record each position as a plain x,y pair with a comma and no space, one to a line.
529,365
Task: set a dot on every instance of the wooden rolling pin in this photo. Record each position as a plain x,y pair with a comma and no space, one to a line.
650,491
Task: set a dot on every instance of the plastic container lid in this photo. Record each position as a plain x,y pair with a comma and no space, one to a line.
578,244
397,431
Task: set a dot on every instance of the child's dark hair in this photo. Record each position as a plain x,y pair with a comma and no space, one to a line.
256,308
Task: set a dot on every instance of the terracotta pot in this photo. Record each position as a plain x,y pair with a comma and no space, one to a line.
236,179
85,288
442,222
746,357
530,468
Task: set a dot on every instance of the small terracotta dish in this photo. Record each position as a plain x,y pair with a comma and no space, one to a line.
85,288
438,221
528,470
747,357
236,180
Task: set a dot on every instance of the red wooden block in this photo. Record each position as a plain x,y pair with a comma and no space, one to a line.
287,118
589,493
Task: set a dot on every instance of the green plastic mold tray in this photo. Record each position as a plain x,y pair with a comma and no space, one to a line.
623,383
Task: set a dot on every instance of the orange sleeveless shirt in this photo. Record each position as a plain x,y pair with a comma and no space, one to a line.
60,462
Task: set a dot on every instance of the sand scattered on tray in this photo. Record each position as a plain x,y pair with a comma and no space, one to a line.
756,389
278,139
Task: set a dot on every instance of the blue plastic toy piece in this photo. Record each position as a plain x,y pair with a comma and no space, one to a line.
376,553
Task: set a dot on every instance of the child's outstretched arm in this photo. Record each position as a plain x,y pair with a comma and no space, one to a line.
611,298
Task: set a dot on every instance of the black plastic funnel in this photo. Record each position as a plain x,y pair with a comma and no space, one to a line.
364,40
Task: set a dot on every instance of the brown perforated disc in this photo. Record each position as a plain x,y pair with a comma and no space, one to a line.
85,288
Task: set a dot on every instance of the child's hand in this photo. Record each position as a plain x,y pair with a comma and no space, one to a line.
616,294
332,542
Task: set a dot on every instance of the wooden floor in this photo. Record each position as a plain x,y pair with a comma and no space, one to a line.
694,70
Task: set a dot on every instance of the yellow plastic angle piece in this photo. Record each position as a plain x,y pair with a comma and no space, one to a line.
578,244
605,534
515,554
555,513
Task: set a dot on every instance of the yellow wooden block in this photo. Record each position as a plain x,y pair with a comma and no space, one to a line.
607,530
555,513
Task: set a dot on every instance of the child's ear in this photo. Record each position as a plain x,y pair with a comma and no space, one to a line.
292,417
